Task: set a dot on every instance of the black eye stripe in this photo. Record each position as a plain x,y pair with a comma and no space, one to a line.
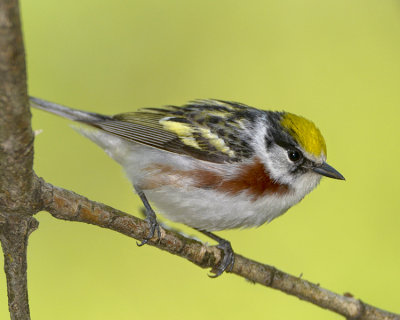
286,145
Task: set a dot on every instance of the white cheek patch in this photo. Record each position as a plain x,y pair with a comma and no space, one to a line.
275,159
279,163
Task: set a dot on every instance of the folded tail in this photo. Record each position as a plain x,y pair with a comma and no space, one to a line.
69,113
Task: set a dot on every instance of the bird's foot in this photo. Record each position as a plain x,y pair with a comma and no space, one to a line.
153,227
227,261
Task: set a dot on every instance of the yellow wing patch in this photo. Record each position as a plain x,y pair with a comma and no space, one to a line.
216,141
179,128
185,133
305,133
183,130
191,142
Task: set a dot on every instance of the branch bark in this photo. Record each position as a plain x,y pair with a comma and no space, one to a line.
16,144
14,240
18,184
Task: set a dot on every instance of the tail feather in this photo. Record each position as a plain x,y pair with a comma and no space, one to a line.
69,113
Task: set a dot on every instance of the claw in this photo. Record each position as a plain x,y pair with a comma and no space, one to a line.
153,226
227,261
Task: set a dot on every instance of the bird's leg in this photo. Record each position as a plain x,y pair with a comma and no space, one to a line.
150,217
229,256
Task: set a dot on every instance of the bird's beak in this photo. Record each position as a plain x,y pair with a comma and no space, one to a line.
327,171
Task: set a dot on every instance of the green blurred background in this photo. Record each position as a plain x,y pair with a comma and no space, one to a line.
335,62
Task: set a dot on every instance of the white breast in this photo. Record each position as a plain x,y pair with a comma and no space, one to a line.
211,210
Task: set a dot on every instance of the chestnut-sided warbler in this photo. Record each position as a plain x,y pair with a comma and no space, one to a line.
210,164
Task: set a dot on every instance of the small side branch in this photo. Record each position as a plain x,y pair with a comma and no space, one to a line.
14,233
67,205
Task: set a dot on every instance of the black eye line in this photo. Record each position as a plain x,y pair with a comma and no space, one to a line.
286,145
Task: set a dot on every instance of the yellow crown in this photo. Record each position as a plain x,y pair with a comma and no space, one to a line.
305,133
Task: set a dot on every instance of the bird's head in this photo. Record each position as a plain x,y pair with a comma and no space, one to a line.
296,151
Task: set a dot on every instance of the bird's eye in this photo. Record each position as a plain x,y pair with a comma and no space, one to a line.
294,155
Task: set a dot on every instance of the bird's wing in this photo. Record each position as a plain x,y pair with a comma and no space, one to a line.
209,130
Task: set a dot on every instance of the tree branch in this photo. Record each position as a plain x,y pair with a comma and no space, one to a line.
14,235
67,205
18,184
16,137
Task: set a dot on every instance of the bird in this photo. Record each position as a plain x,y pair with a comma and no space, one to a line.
210,164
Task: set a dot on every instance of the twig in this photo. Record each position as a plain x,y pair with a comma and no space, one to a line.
67,205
